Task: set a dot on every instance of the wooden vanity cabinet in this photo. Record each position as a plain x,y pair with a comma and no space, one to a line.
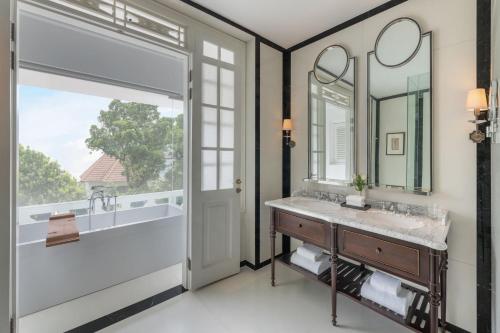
406,260
308,230
416,263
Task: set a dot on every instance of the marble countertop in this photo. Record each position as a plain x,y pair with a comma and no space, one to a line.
420,230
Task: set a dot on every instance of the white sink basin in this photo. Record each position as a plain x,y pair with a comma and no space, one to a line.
314,204
394,220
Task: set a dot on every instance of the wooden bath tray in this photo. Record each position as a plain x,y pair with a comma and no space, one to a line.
62,230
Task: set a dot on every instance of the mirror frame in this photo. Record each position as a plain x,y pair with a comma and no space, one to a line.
371,185
319,57
390,24
335,182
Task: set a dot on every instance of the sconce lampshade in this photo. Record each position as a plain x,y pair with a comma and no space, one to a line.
287,125
476,100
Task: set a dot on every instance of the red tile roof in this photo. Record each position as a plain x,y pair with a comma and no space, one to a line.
106,169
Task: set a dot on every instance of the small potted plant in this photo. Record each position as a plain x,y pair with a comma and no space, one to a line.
359,182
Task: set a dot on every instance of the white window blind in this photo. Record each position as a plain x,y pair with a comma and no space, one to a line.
338,148
124,17
52,43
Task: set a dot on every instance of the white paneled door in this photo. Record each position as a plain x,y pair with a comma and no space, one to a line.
218,102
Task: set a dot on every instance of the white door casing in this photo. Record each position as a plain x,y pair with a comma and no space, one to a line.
217,106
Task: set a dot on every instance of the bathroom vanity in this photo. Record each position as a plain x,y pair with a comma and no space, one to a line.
410,247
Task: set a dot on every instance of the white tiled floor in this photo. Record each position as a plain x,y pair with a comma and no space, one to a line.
246,303
79,311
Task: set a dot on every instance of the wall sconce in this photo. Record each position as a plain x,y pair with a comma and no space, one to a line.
476,102
287,129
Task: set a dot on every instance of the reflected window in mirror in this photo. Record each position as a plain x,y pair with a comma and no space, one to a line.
331,128
400,121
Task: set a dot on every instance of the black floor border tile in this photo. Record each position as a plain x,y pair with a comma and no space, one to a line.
126,312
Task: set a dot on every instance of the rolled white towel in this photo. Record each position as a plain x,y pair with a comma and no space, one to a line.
355,200
398,304
310,251
316,267
386,283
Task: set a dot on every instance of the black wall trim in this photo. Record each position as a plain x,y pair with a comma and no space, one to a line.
483,175
259,266
286,156
128,311
346,24
257,151
234,24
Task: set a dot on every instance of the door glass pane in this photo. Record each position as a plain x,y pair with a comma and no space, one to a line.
226,169
227,88
227,56
210,50
209,127
208,170
226,129
209,84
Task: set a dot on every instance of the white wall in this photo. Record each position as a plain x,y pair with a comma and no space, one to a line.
271,83
248,216
271,87
5,168
453,25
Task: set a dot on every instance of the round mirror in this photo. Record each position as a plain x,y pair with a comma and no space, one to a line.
331,64
398,42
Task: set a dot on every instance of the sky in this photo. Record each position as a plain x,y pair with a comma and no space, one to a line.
57,123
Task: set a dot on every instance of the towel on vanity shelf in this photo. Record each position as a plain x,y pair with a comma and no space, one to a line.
310,251
316,267
355,200
397,303
386,283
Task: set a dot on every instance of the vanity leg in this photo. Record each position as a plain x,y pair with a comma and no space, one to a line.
273,242
334,261
434,291
444,272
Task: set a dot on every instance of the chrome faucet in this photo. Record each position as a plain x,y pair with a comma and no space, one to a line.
98,193
408,211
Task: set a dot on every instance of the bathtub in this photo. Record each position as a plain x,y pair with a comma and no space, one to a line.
110,251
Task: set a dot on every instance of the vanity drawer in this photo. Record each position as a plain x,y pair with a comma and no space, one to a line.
400,258
305,229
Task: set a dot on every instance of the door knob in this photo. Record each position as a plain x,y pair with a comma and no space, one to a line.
238,183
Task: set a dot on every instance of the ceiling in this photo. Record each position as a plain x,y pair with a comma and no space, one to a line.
288,22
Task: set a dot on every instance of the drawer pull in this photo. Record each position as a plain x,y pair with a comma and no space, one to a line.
378,250
300,225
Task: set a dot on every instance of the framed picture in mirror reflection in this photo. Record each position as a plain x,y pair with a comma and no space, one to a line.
395,143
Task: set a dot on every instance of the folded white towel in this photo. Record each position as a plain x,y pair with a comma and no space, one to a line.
316,267
386,283
310,251
398,304
355,200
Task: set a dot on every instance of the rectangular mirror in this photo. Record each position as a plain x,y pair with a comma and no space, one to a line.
400,122
331,129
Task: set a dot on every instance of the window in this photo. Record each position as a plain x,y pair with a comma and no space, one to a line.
125,17
218,107
338,148
75,135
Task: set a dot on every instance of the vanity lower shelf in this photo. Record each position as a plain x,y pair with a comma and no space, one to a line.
350,278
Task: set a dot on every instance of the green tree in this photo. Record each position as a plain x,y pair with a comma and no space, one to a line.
172,179
41,180
140,138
